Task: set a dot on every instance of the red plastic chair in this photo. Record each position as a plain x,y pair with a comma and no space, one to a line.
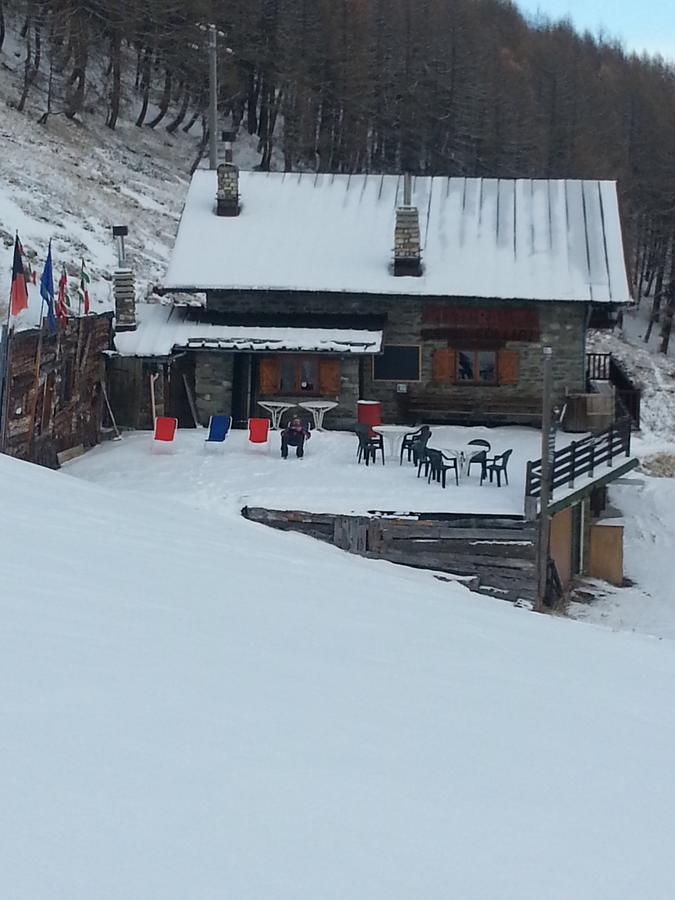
258,431
165,432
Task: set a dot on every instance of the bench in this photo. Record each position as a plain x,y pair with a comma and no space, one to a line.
452,411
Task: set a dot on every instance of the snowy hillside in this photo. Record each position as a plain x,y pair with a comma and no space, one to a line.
72,180
196,706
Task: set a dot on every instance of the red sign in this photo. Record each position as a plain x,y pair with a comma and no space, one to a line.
507,324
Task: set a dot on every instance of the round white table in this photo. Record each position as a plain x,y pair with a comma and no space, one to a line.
464,453
393,435
276,409
318,409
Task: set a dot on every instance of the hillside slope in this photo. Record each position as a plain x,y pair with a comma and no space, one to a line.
72,180
196,706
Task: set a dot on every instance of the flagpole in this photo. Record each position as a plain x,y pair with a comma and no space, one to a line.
8,360
36,377
4,412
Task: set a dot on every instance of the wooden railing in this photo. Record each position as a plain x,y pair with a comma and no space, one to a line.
604,367
627,395
581,458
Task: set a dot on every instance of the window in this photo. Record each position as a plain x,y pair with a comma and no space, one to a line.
292,375
298,375
476,366
397,363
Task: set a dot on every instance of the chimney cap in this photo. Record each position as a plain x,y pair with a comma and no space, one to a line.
120,230
228,135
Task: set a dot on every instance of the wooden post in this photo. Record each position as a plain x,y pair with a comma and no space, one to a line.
213,98
153,378
545,492
573,462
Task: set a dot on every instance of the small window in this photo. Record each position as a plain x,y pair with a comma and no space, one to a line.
290,375
287,375
309,376
476,366
397,363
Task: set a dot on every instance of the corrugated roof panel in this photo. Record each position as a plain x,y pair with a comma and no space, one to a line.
480,237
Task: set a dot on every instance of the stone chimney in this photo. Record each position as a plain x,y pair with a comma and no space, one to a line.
227,198
407,241
124,289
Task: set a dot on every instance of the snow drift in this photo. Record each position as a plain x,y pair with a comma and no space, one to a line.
194,706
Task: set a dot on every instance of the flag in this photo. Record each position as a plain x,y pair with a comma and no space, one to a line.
62,302
82,291
47,290
19,291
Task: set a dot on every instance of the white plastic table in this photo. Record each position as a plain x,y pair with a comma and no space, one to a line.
276,409
393,435
464,454
318,409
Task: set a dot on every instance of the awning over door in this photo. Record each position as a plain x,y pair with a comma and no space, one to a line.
163,329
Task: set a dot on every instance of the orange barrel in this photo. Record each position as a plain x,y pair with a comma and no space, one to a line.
369,412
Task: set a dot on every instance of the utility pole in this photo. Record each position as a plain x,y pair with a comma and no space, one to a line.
545,491
213,97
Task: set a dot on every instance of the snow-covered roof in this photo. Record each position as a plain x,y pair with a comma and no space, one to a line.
497,238
162,329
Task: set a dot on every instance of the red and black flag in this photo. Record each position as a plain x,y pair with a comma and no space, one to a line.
19,292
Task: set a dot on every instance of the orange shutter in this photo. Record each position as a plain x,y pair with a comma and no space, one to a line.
507,367
269,378
443,365
329,377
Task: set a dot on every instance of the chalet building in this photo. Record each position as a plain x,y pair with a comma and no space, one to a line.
433,296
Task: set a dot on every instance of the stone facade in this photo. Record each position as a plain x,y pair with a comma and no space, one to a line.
562,325
213,383
124,291
227,198
214,379
407,242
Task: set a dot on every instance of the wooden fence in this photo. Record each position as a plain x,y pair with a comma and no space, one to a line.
581,458
495,555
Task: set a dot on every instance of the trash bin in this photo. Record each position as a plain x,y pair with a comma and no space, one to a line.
369,412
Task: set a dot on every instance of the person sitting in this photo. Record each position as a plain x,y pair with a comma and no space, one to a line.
294,435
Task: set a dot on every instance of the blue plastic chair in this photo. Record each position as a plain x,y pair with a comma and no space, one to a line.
218,428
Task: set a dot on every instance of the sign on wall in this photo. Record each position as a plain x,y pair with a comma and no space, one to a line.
469,323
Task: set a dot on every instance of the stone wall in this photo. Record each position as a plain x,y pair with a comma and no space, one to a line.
213,383
562,325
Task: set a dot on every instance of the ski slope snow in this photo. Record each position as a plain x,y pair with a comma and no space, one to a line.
196,706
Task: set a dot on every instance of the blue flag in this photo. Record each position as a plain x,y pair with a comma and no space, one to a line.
47,290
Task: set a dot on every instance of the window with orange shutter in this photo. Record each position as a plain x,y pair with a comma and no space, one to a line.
329,377
269,375
507,366
443,365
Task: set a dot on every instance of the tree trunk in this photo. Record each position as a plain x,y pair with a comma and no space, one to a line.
115,93
203,143
164,101
669,311
27,72
182,112
146,74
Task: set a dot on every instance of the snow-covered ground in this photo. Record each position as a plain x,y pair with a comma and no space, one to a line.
328,479
197,706
648,603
